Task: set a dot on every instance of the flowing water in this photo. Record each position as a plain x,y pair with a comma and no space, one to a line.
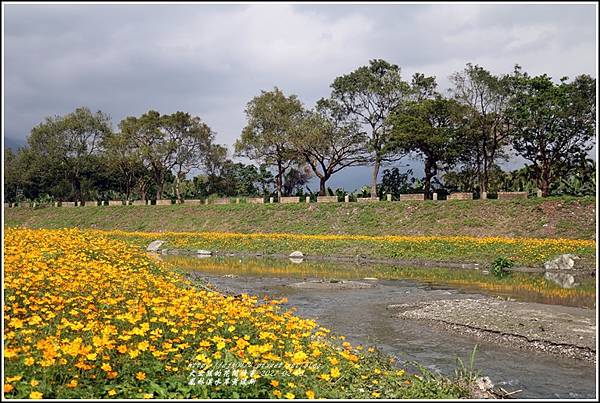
361,315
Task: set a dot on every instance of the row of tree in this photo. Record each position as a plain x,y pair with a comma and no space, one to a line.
372,117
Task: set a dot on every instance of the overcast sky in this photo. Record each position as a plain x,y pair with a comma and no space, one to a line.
210,60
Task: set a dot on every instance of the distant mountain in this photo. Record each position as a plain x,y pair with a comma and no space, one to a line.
14,144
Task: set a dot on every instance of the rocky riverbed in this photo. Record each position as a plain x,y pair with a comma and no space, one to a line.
560,330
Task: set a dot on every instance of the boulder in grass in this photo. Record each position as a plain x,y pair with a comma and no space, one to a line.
155,246
561,262
297,254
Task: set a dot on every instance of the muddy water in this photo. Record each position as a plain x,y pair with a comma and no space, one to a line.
361,315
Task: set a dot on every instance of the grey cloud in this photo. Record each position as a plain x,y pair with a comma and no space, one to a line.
210,60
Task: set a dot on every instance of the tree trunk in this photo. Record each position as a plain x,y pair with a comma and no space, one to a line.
483,186
279,180
544,182
77,190
177,191
374,175
322,188
428,176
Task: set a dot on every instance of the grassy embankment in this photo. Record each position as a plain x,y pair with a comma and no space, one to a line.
465,231
563,217
91,317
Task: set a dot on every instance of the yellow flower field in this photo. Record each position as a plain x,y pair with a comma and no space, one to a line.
86,316
524,251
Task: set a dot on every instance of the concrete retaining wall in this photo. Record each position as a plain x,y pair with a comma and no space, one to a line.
287,200
410,197
327,199
512,195
460,196
256,200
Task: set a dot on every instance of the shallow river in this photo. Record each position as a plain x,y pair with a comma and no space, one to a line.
361,315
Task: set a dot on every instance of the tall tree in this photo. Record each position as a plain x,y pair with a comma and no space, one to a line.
368,95
487,97
431,129
169,144
124,159
267,135
192,139
553,124
70,142
328,142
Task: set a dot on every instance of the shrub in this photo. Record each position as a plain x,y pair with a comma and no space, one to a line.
500,266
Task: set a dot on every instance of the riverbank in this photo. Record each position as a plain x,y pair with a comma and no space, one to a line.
561,217
92,317
529,252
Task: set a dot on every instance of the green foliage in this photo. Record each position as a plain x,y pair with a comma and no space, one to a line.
396,183
266,138
328,141
369,95
431,129
486,133
553,124
499,267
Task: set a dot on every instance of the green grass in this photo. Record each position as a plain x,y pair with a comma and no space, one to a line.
564,217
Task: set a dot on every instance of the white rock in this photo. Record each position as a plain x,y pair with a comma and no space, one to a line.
155,245
203,252
561,262
297,254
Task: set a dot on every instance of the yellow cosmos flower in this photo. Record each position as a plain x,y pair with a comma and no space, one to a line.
36,395
140,376
310,394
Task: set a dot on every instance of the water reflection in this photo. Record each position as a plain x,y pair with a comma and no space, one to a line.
519,286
